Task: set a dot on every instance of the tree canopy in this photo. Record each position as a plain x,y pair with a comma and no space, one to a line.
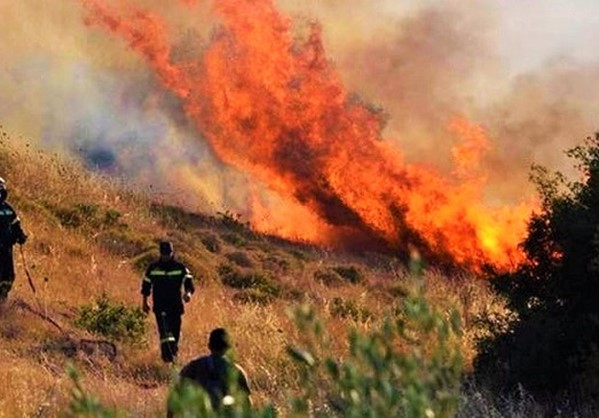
555,293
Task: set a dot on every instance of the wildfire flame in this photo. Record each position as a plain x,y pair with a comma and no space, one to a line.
275,107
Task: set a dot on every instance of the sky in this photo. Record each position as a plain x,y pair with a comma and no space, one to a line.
534,31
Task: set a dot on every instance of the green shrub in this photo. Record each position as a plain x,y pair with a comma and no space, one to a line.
378,378
349,309
111,218
293,293
299,255
232,221
211,243
85,405
240,258
113,320
253,296
175,217
554,293
276,263
234,239
76,216
350,274
87,216
238,279
397,291
143,261
328,277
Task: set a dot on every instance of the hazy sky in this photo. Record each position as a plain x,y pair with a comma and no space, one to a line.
528,32
532,31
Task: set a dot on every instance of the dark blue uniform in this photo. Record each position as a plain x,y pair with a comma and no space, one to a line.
164,281
10,234
215,374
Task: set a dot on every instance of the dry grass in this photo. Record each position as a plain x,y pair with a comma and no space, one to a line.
73,265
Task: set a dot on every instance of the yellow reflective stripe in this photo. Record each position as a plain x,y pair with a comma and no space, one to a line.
147,280
167,340
175,273
158,273
188,276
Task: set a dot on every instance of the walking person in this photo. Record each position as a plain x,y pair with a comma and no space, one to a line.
11,233
164,280
223,380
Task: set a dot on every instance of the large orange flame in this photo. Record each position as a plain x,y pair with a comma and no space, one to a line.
276,108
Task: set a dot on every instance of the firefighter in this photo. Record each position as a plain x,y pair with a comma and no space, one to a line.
224,381
11,233
164,280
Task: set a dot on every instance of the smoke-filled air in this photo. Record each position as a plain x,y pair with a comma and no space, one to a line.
346,126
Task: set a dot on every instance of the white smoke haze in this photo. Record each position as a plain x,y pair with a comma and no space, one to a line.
79,90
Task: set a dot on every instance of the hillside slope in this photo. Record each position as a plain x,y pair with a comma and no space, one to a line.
90,236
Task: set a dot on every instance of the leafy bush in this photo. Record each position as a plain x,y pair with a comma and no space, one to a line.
349,309
328,277
350,274
113,320
240,258
555,293
276,263
232,221
211,243
238,279
175,217
88,215
234,239
84,404
253,296
408,367
143,261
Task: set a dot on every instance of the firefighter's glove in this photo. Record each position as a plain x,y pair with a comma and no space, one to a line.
186,297
21,239
145,307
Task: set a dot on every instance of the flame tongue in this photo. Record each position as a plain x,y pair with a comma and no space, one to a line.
277,109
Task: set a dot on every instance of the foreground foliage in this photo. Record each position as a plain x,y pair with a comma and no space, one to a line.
409,365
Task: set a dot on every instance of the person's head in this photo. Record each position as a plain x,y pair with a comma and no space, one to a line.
3,190
166,250
219,341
